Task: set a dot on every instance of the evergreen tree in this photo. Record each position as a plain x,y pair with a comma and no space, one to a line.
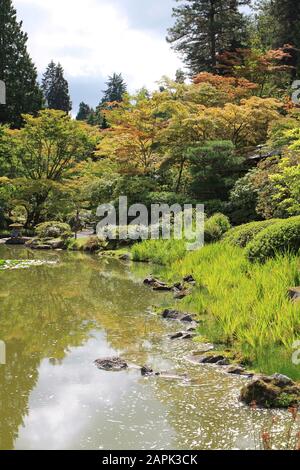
56,88
284,16
84,112
17,71
204,28
179,76
115,89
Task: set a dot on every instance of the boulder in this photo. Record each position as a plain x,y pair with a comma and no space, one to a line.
212,359
276,391
176,315
181,294
111,364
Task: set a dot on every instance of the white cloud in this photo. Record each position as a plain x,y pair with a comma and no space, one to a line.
94,39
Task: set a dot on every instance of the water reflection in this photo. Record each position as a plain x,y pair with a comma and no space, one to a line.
56,320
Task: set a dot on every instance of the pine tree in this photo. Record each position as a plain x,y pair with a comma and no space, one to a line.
17,71
115,89
179,76
284,15
204,28
56,88
84,112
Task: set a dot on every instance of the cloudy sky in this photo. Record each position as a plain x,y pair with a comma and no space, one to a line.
94,38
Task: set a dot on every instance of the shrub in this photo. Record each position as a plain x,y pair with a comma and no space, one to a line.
53,229
282,237
243,234
215,227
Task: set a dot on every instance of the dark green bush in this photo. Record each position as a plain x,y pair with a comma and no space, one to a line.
244,234
215,227
53,229
282,237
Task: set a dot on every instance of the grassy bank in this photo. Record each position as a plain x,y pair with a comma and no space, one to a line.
241,304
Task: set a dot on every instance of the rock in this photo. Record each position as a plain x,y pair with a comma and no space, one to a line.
16,241
157,286
182,335
223,362
177,335
178,286
111,364
277,391
181,294
175,315
189,279
294,294
192,329
211,359
124,257
146,371
236,370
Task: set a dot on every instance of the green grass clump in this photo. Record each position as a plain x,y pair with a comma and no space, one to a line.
162,252
282,237
244,234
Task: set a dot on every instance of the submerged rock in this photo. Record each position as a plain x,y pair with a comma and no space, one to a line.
176,315
156,284
111,364
276,391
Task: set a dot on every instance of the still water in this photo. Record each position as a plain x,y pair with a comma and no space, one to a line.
56,319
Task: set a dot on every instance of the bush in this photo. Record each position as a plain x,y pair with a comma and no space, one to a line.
282,237
53,229
215,227
244,234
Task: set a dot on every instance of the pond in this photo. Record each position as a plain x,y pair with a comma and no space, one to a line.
56,319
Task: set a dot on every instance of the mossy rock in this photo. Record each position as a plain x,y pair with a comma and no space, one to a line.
276,391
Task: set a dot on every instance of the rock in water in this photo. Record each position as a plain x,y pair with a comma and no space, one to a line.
189,279
276,391
111,364
146,371
175,315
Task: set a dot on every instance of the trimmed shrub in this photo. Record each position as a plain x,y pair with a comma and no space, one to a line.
282,237
244,234
215,227
53,229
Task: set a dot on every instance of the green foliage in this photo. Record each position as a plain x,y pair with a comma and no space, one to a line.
242,235
214,167
281,237
115,89
215,227
53,229
243,199
159,251
23,94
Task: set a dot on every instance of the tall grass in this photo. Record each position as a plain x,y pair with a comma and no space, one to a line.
241,304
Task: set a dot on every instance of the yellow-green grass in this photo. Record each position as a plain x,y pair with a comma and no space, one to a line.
241,304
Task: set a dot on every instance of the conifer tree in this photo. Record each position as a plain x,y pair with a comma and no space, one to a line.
17,71
204,28
115,89
84,112
56,88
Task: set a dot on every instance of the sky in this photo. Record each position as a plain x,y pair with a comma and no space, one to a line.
95,38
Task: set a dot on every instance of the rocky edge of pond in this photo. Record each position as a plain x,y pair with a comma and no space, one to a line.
276,391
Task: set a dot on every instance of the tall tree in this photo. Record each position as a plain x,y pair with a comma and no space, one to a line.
84,112
56,88
115,89
23,94
284,16
204,28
